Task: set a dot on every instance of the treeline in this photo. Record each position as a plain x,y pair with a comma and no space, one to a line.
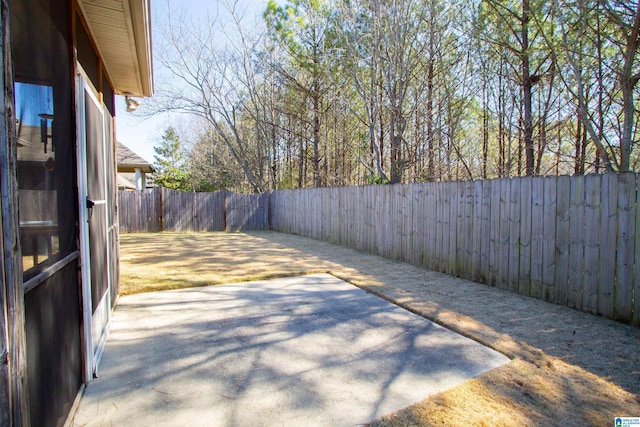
344,92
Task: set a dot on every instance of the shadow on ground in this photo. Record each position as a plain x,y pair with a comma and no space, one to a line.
312,350
571,367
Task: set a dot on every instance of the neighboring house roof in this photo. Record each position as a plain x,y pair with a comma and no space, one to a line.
122,32
124,183
128,161
127,181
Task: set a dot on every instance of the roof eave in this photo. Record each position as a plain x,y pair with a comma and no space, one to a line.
131,167
141,17
127,56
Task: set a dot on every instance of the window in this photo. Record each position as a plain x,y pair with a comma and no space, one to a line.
39,235
45,134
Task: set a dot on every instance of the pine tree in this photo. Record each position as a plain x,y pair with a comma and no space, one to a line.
170,163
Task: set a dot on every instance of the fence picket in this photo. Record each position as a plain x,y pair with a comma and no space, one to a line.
494,232
549,239
515,215
442,219
562,240
429,227
463,232
524,275
416,218
576,242
399,198
591,243
455,233
537,231
478,235
623,295
485,243
503,251
607,267
468,224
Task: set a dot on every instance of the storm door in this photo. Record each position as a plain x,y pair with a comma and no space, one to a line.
93,138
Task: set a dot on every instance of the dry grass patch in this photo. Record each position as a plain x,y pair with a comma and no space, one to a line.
569,368
162,261
523,394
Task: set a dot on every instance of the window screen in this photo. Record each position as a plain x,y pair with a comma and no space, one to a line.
45,134
47,194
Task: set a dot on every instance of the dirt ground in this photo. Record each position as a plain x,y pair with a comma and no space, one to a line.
568,368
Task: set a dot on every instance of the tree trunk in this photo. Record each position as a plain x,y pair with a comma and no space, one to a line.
485,129
301,161
501,119
274,158
600,77
395,148
527,85
579,156
317,181
381,120
627,84
430,87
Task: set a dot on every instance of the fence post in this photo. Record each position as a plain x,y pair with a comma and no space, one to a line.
160,202
268,207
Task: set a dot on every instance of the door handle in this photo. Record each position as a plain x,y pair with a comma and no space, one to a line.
90,205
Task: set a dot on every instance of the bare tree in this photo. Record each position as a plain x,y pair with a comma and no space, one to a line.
301,26
626,16
609,118
211,76
519,33
402,47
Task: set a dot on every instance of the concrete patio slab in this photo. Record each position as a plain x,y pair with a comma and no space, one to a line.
310,350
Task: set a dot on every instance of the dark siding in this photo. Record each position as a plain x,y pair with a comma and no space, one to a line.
53,346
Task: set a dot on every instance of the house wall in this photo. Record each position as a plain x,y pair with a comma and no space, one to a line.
43,63
42,342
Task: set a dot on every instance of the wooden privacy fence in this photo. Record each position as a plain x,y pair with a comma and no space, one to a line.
140,211
574,241
161,209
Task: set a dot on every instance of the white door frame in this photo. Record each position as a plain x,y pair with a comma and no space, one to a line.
95,325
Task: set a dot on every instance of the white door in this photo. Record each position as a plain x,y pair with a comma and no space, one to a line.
93,198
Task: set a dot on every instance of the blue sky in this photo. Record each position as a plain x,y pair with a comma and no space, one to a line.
141,135
32,101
